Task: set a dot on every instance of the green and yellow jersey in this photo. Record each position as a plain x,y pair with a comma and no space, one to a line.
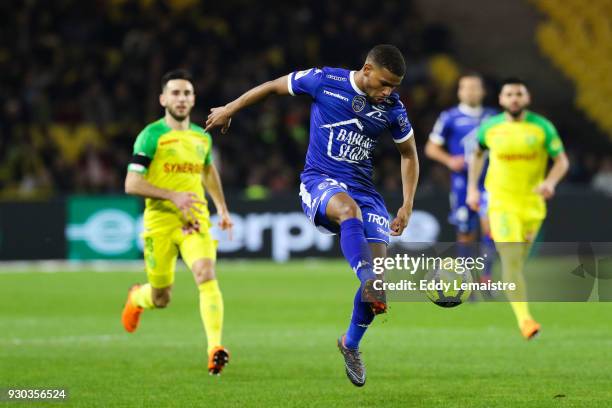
518,158
173,160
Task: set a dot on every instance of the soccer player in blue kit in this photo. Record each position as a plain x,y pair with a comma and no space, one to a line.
451,141
350,111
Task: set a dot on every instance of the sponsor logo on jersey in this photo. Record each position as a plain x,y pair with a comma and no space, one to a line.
323,185
517,156
165,142
193,168
402,121
378,219
348,145
335,77
377,114
359,102
335,95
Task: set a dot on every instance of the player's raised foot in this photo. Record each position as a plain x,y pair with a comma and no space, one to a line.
355,370
130,317
530,329
376,298
217,359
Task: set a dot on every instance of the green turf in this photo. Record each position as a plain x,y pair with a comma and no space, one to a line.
282,321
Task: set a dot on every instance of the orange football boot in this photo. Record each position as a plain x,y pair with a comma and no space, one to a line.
530,329
217,359
130,317
376,298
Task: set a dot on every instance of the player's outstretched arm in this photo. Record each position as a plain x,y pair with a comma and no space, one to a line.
475,166
410,177
212,184
222,115
186,202
558,170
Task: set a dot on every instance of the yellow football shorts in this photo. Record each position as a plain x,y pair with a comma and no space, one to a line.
161,252
515,218
509,226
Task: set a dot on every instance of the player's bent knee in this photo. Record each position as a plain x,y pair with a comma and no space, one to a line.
161,302
161,299
346,211
203,271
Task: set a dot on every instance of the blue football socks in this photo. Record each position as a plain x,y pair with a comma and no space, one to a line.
355,249
357,252
361,319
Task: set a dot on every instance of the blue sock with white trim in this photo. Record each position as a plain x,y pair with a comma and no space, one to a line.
361,319
355,249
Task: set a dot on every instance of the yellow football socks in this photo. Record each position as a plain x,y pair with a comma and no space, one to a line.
521,311
513,259
211,310
143,297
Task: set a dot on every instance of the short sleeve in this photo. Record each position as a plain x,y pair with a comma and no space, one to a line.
144,151
481,134
401,129
305,82
441,129
553,142
208,159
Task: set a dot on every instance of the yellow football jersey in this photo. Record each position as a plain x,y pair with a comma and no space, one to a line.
518,158
173,160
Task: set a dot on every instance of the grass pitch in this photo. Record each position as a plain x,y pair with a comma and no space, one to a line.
63,330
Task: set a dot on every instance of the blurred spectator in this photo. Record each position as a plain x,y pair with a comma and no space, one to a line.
82,79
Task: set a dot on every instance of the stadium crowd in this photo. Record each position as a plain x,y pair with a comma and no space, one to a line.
80,79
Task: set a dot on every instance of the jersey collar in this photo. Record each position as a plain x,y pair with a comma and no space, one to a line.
469,111
354,85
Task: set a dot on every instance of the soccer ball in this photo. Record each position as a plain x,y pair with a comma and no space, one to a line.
444,285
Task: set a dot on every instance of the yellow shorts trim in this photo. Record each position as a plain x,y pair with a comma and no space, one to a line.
161,252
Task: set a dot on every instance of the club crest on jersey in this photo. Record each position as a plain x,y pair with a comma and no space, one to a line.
359,102
531,140
201,150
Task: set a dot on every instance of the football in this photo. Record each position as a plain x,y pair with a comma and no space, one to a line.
444,285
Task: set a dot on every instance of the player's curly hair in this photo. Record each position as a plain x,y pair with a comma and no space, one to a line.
176,74
390,57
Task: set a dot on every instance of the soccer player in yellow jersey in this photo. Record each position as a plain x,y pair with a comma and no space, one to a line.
520,143
171,167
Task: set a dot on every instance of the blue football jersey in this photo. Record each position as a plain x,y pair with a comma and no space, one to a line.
456,130
344,126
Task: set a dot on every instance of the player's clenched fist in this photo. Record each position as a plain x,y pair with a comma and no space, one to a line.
226,223
401,221
545,189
